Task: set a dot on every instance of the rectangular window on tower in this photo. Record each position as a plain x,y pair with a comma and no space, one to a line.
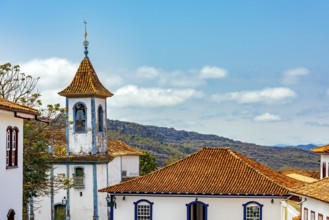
79,177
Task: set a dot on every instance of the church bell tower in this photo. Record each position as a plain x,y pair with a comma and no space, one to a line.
86,105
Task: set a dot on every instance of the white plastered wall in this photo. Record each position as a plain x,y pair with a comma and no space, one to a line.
115,167
11,190
81,199
174,208
316,206
131,165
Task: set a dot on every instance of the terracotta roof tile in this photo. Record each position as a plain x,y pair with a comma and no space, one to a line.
321,149
115,148
85,83
15,107
317,190
211,171
120,148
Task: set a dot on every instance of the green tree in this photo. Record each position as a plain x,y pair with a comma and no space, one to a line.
21,88
147,163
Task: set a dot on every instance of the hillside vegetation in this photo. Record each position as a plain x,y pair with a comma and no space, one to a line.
168,144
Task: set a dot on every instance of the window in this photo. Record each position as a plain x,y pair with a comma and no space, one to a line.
305,215
59,212
312,215
320,217
100,119
324,170
143,210
11,214
78,177
197,211
252,211
80,117
11,147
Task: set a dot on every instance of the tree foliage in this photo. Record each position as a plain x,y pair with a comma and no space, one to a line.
147,163
17,86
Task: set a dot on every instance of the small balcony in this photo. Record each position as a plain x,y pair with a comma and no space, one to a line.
79,182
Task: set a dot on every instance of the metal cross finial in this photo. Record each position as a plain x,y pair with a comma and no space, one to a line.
86,43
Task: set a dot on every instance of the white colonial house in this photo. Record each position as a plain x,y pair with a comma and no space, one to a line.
214,183
11,157
315,196
90,159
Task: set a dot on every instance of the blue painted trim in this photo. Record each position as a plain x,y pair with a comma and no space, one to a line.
252,202
95,192
105,127
120,167
205,206
107,174
67,127
67,208
52,192
112,208
86,120
136,208
207,195
93,126
79,162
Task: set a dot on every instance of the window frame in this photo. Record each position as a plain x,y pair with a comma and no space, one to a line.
245,206
11,214
189,205
324,169
84,130
312,217
12,147
80,179
100,115
136,204
320,215
305,217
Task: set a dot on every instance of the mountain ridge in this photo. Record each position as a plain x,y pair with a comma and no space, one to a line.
169,144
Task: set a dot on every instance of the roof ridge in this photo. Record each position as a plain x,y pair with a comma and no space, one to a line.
241,157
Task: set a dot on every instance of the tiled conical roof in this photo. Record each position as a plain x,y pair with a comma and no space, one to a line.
86,83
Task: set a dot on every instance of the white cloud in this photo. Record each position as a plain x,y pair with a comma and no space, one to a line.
148,72
209,72
267,117
292,76
132,95
55,74
264,96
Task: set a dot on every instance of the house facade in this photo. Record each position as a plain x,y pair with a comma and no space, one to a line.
315,196
213,183
11,157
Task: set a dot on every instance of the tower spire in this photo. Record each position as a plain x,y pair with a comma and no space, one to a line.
86,42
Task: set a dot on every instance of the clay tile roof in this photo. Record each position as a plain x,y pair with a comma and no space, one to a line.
317,190
120,148
85,83
211,171
15,107
321,149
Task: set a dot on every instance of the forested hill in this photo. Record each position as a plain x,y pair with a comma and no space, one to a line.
168,144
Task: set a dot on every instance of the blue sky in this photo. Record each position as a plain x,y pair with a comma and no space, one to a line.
254,71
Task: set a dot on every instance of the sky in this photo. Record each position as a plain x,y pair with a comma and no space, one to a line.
254,71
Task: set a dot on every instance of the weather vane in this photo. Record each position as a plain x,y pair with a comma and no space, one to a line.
86,43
